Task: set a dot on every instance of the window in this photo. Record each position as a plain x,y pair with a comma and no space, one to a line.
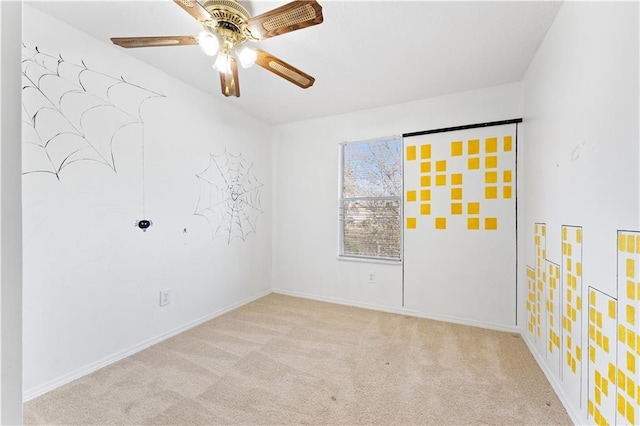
371,199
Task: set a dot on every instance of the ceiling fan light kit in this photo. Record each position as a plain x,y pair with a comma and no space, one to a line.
228,26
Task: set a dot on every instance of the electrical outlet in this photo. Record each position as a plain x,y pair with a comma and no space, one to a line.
165,297
372,278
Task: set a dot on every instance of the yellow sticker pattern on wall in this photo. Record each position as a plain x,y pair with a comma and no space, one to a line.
572,312
541,277
628,365
612,325
602,357
552,306
531,301
462,179
552,321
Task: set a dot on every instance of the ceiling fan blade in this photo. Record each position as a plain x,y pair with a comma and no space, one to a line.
290,17
284,70
195,9
229,81
129,42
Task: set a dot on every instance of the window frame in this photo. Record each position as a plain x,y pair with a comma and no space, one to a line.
341,200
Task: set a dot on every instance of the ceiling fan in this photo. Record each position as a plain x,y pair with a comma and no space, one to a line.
228,26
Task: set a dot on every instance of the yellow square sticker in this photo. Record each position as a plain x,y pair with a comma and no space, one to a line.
491,177
456,148
611,373
508,143
411,153
473,147
425,151
491,223
490,192
491,145
507,192
631,314
491,162
621,405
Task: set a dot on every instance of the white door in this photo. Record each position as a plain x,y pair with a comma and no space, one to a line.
460,224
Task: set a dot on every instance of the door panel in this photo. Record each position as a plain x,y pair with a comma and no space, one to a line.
460,224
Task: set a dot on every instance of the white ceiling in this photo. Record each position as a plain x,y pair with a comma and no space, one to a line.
365,54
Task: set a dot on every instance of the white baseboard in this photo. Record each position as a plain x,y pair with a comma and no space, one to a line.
402,311
575,416
34,392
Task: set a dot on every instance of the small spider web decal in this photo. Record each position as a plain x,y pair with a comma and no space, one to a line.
229,197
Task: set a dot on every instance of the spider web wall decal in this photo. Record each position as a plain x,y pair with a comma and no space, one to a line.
229,196
72,113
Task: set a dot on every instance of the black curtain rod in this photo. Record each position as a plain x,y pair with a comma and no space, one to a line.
468,126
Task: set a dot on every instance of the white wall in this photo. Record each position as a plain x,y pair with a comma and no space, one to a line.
305,182
580,145
10,217
92,279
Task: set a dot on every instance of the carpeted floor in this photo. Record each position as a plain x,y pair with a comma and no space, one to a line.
285,360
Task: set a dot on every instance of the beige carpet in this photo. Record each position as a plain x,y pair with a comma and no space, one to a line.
285,360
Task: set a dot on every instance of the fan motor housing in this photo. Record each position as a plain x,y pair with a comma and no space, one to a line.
229,17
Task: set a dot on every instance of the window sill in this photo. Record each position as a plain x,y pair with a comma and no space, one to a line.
369,260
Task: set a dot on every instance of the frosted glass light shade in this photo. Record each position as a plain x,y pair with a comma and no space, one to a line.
246,56
223,63
208,43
